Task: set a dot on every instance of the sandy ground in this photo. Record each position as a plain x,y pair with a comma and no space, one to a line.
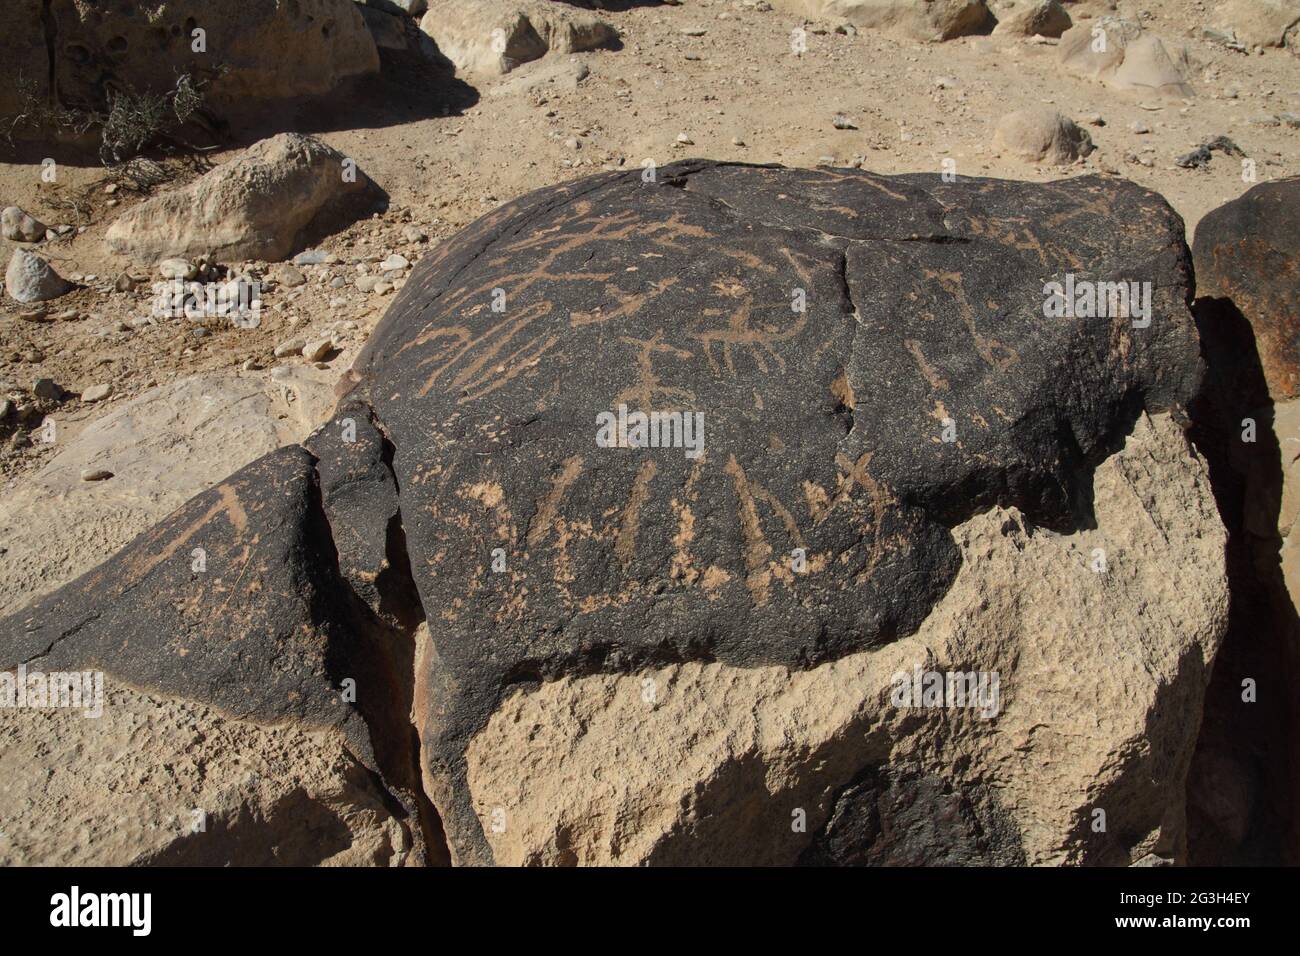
721,72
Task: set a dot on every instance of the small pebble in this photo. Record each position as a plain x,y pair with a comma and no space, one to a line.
47,388
97,393
316,351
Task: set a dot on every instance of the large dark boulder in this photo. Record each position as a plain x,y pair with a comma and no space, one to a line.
874,363
823,428
1245,780
1247,255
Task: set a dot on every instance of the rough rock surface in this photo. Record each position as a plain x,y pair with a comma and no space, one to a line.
918,19
616,561
359,497
410,8
17,226
254,50
1131,60
30,278
1246,777
1265,23
23,53
278,197
1033,18
1042,135
235,601
151,609
1248,253
163,448
492,37
236,793
897,445
709,768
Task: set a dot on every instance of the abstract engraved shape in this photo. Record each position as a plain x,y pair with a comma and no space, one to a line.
644,393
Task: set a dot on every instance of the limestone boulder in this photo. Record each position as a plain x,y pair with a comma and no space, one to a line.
276,198
493,37
916,19
29,278
707,763
1046,18
557,571
227,618
1042,136
18,226
1264,23
1119,54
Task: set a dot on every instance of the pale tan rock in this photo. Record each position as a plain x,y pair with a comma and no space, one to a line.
17,225
162,448
1286,425
917,19
1291,567
493,37
29,278
1033,18
556,73
1119,54
97,393
316,351
163,781
181,269
1101,681
289,276
1042,135
1267,23
268,203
